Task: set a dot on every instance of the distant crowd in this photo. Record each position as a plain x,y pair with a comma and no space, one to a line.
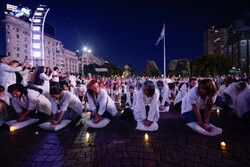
51,95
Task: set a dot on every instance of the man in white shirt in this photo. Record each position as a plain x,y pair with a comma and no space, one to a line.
55,76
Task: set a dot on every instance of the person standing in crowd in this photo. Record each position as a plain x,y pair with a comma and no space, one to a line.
70,107
147,108
198,103
72,83
55,76
185,87
116,94
100,103
6,71
6,112
27,101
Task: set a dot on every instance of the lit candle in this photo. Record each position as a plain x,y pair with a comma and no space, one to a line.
87,135
223,144
218,111
146,136
120,104
122,111
12,128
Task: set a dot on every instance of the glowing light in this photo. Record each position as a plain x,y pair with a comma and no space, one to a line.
36,45
12,128
218,111
122,111
87,135
89,51
35,28
36,54
40,8
38,14
146,136
37,20
36,36
85,49
223,144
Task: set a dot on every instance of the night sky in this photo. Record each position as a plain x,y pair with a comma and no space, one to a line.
126,31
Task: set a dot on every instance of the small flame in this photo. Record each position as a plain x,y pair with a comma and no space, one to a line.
122,111
218,111
223,144
87,135
12,128
146,136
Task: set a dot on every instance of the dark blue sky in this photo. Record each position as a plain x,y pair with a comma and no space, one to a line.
126,31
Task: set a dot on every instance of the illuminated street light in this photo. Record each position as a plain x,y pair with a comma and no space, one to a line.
89,51
85,49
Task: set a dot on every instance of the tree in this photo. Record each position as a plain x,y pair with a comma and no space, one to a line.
151,70
210,65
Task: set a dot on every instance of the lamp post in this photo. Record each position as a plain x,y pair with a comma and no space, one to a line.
85,51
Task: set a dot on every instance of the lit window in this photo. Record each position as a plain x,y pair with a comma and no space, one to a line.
40,8
38,14
8,40
36,45
36,28
37,54
37,20
36,36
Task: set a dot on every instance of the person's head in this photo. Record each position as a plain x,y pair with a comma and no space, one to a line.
149,88
116,86
56,92
56,69
241,85
4,59
65,86
192,82
131,89
206,87
93,87
17,90
171,86
14,63
2,89
160,84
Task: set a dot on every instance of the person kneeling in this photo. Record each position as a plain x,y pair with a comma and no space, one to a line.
146,111
101,105
70,107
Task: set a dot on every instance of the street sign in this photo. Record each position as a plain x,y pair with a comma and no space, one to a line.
101,69
232,71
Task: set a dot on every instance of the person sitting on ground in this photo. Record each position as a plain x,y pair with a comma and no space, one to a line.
27,101
116,94
70,107
163,97
147,108
183,91
6,112
100,103
198,102
81,92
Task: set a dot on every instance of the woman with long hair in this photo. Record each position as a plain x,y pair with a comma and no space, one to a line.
198,103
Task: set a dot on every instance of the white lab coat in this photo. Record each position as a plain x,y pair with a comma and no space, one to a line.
164,94
103,101
72,80
7,75
67,100
116,92
46,79
142,102
33,101
233,92
183,91
128,100
192,97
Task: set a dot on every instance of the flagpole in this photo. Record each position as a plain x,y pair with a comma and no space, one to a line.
164,50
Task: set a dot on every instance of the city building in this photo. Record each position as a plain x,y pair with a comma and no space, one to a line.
19,42
215,39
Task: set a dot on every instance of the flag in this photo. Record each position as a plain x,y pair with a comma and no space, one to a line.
161,35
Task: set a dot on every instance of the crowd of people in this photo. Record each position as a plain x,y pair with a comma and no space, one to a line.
40,92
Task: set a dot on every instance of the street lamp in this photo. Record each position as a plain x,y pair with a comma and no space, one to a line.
85,49
89,51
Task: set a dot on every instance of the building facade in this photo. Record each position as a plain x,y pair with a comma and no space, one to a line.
18,46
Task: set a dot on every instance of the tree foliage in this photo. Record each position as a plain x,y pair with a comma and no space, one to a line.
151,70
210,65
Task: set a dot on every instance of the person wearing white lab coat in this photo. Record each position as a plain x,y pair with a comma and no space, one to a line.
27,101
183,91
233,90
70,106
198,102
100,103
46,79
7,73
163,95
147,108
242,106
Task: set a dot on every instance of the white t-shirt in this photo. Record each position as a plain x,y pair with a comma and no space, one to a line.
55,79
192,97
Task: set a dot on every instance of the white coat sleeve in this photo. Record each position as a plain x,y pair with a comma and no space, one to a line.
153,107
103,102
45,77
33,101
91,102
165,96
65,103
11,69
142,107
54,106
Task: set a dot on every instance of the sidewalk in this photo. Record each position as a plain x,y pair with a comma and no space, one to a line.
119,144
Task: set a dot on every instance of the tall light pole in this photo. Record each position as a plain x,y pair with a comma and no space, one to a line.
85,51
